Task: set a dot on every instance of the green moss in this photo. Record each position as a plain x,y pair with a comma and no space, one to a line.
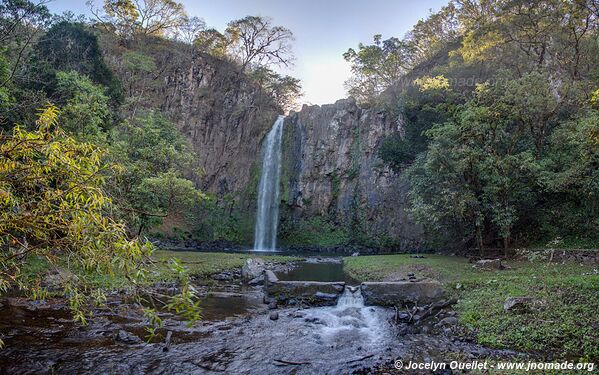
562,326
316,231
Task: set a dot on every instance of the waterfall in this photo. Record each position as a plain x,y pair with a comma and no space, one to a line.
267,214
351,297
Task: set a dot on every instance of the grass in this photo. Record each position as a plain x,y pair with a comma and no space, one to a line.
566,325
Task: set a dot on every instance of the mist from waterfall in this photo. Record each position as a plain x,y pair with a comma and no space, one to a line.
267,214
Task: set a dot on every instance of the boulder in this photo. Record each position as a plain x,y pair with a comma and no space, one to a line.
256,281
518,303
127,338
396,293
273,315
253,267
490,264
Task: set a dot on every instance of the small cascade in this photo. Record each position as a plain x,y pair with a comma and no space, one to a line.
267,214
351,297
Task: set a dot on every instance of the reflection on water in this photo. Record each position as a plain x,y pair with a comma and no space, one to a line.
219,306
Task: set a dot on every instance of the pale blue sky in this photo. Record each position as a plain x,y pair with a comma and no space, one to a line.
323,29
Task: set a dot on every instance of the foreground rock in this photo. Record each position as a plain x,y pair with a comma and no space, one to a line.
253,268
399,293
521,304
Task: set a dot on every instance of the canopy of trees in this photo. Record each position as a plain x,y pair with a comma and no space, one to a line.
496,109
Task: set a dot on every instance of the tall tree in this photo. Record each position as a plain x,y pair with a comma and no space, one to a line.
145,17
255,41
377,66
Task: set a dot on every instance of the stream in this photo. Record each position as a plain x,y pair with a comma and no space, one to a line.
235,336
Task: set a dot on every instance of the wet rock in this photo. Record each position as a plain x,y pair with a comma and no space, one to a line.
256,281
417,256
127,338
490,264
326,296
449,321
273,315
306,292
253,268
223,276
272,305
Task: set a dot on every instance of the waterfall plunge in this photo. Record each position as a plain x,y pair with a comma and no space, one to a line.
267,214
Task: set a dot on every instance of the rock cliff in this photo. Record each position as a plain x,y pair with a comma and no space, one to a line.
331,171
334,188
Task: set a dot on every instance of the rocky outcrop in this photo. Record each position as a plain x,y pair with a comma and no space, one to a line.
331,170
222,112
252,268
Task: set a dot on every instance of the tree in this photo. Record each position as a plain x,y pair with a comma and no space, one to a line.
163,195
190,30
211,41
141,17
20,22
376,67
153,154
71,47
86,110
52,203
285,90
255,41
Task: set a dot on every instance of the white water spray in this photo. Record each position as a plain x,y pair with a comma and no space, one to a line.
267,214
351,297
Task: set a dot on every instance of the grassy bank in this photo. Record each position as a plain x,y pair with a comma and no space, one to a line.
200,265
565,324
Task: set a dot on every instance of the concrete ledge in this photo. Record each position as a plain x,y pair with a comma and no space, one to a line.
304,292
402,292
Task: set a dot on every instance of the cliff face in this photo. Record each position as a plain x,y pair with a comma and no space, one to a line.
222,112
225,118
334,188
331,171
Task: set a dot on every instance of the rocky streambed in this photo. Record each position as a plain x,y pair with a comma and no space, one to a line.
239,334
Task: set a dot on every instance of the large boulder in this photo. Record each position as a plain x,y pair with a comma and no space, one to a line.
521,304
253,268
399,293
489,264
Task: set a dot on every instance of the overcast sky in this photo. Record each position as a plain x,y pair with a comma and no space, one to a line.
323,29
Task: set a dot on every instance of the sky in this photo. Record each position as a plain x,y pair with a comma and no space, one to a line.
323,30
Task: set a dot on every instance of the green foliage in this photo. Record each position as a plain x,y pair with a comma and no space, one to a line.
285,90
494,102
315,231
86,111
151,17
52,202
376,67
154,157
71,47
